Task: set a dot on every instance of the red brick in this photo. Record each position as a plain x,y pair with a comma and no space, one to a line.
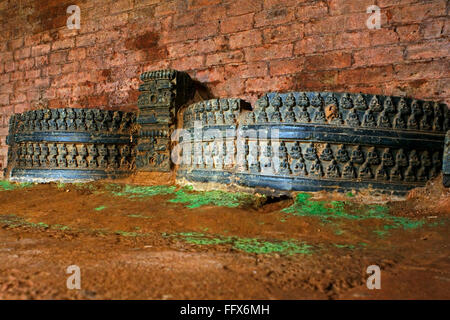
269,4
188,63
409,33
10,66
86,40
196,47
63,44
58,57
289,32
195,4
211,75
275,16
418,12
224,58
18,97
77,54
165,8
198,31
269,52
40,50
121,5
22,53
433,29
236,24
338,7
26,64
366,75
41,61
247,70
378,56
283,67
310,11
282,83
245,39
15,44
428,50
240,7
70,67
4,99
315,44
328,61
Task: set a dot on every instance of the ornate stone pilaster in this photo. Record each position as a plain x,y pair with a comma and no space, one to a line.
163,92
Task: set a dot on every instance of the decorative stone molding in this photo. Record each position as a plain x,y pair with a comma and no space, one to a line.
70,145
163,92
322,141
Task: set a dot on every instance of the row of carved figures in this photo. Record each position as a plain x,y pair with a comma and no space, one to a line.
74,119
334,161
212,112
88,156
351,110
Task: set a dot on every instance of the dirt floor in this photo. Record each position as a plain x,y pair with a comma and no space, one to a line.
163,242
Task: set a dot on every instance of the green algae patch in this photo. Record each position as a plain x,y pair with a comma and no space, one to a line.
140,191
7,185
332,211
249,245
196,199
100,208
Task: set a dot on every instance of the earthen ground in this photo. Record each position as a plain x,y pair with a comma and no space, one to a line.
142,247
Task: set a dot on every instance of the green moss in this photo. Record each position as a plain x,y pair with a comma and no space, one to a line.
138,216
100,208
140,191
216,198
129,234
6,185
329,211
250,245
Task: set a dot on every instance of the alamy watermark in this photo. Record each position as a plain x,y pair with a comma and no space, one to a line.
374,21
74,280
74,20
374,280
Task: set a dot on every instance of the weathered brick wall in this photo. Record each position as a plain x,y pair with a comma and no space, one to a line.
238,48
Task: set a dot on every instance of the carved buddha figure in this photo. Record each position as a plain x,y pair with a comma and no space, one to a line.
327,153
38,121
389,105
403,107
346,102
342,155
284,167
311,152
80,119
229,115
333,170
375,105
412,122
70,121
210,120
349,171
399,123
317,100
387,158
352,118
90,123
357,155
360,102
71,161
425,159
304,115
415,108
261,106
369,119
316,169
303,100
414,159
53,150
61,121
372,157
289,115
92,150
274,109
427,108
298,167
296,152
400,159
425,122
52,161
117,119
319,115
436,159
217,112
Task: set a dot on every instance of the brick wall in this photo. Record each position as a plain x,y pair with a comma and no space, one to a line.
238,48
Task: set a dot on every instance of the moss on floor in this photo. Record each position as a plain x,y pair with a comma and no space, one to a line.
6,185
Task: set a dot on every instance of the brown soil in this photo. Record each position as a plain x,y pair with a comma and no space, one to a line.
100,236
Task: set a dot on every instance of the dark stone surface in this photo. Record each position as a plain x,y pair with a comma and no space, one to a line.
320,141
163,92
70,145
446,161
